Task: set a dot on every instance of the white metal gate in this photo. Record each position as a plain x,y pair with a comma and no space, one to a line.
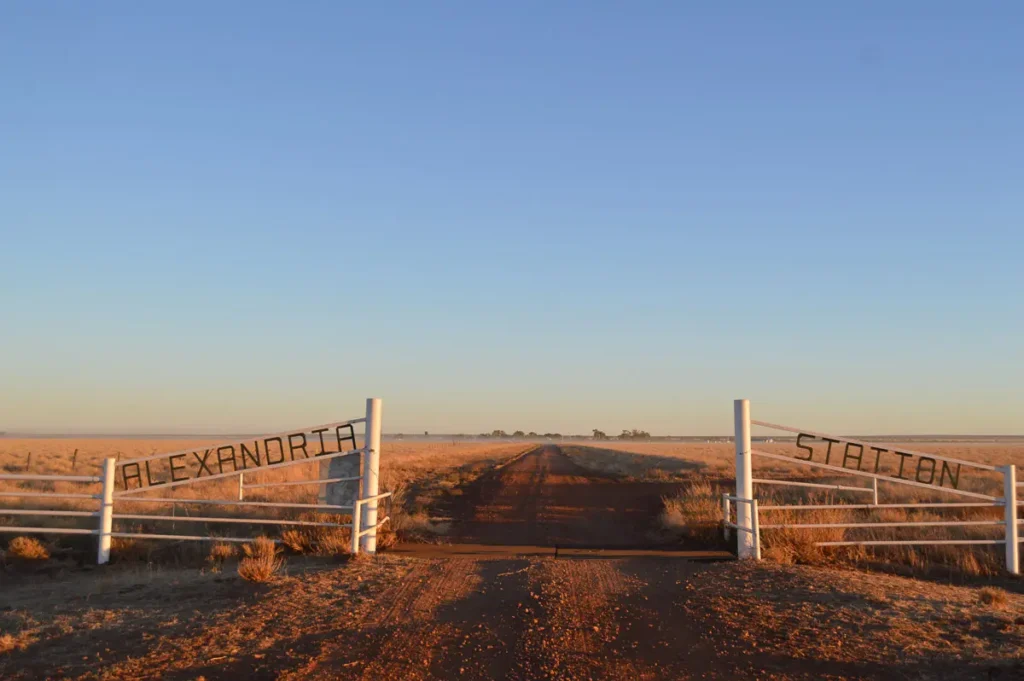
928,466
136,478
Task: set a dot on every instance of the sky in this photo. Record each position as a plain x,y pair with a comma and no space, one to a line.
224,217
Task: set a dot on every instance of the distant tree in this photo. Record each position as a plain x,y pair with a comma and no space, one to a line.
499,433
519,433
599,434
531,434
425,433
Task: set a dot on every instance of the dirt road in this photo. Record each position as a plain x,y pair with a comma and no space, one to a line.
522,618
544,499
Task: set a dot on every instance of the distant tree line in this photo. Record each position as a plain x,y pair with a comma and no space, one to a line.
633,434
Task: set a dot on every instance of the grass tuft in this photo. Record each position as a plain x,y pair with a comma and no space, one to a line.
27,548
220,552
262,561
992,596
11,642
297,541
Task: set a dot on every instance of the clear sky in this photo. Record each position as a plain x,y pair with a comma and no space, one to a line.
548,216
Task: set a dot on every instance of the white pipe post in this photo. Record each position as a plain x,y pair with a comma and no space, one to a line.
727,514
106,511
1012,529
744,480
371,471
755,529
874,489
355,527
241,486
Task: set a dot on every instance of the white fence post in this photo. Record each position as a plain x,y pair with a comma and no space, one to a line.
106,511
241,486
755,529
356,507
726,514
874,489
1012,529
744,481
371,470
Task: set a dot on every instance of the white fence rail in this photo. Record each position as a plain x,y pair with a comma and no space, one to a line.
364,522
747,510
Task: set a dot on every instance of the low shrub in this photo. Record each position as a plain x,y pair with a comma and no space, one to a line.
12,642
320,541
992,596
261,562
27,548
297,541
220,552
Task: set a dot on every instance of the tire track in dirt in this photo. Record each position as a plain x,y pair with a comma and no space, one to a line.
269,633
487,627
399,634
445,619
579,599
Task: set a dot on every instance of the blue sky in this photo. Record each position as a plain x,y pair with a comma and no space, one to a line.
246,216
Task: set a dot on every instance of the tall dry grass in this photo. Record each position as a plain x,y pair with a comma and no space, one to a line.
800,545
695,512
261,562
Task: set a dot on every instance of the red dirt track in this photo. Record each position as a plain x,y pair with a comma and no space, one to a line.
544,499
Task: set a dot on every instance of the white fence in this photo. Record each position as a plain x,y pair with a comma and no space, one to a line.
363,510
747,509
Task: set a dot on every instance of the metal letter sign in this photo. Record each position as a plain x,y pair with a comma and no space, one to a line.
219,461
910,466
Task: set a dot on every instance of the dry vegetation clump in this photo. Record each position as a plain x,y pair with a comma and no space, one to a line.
261,562
788,546
320,541
696,512
296,541
993,596
12,642
27,548
421,526
220,553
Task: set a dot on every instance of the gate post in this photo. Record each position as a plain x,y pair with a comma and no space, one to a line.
745,545
106,511
371,470
1012,529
